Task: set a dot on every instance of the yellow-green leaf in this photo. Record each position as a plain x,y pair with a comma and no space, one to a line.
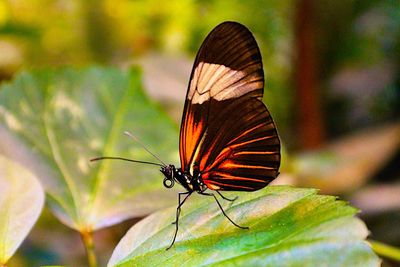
67,116
288,227
21,201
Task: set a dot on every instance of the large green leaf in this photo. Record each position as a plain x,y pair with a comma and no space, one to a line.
288,227
21,201
68,116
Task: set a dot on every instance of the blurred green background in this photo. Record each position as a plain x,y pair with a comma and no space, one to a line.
332,84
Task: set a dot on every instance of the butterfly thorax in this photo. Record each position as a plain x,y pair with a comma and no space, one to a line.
188,181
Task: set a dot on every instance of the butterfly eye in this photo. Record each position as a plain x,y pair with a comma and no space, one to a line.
168,182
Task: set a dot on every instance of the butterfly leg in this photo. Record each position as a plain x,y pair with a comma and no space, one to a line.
229,199
219,205
178,212
178,209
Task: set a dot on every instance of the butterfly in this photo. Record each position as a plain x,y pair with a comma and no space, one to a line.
228,140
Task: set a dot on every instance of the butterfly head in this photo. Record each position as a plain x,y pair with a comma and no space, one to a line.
169,172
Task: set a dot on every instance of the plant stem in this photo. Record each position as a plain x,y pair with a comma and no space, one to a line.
87,237
385,250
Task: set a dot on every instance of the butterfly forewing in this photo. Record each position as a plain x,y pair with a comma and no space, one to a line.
227,134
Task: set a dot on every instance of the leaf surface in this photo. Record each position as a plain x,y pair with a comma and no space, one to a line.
21,201
288,227
66,117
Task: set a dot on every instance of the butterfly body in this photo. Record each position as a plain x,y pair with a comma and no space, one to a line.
189,182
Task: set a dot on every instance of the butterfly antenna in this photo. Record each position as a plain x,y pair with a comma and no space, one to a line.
125,159
145,148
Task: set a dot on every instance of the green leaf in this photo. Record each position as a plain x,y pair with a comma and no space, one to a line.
68,116
288,226
21,201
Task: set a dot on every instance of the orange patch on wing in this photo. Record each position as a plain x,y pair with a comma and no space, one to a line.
192,135
220,185
225,153
204,159
212,186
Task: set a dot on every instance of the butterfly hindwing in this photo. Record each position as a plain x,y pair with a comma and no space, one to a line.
227,134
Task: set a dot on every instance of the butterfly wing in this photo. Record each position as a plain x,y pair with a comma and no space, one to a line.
227,134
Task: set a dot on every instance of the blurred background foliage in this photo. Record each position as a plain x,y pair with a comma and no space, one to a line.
332,68
357,39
